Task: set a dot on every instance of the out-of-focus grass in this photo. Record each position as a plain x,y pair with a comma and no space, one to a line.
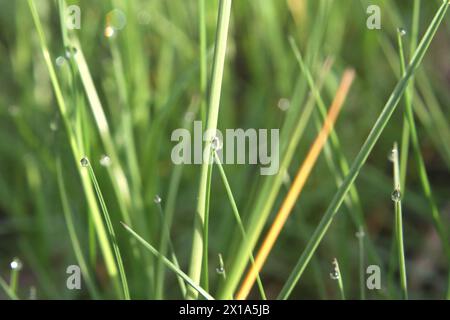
122,97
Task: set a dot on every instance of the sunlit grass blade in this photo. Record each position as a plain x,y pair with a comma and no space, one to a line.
87,186
195,267
16,267
169,264
363,154
72,232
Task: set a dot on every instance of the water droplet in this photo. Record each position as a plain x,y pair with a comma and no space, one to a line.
334,275
105,161
396,195
157,199
284,104
401,31
16,264
60,61
216,144
109,32
392,155
70,52
116,19
84,162
220,270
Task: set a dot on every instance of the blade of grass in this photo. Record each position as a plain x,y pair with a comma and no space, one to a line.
205,267
203,58
298,184
363,153
362,270
426,186
174,184
237,216
409,94
337,275
195,267
109,225
169,264
16,266
9,292
72,233
165,238
396,197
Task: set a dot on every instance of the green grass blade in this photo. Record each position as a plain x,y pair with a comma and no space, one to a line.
363,154
165,239
426,186
109,225
72,233
195,267
337,275
237,216
169,264
396,197
9,292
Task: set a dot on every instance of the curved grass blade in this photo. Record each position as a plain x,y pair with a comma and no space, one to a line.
363,154
423,175
72,233
112,234
169,264
237,216
396,197
9,292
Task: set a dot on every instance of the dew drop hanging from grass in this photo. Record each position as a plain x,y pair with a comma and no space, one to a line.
84,162
157,199
401,31
396,195
16,264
